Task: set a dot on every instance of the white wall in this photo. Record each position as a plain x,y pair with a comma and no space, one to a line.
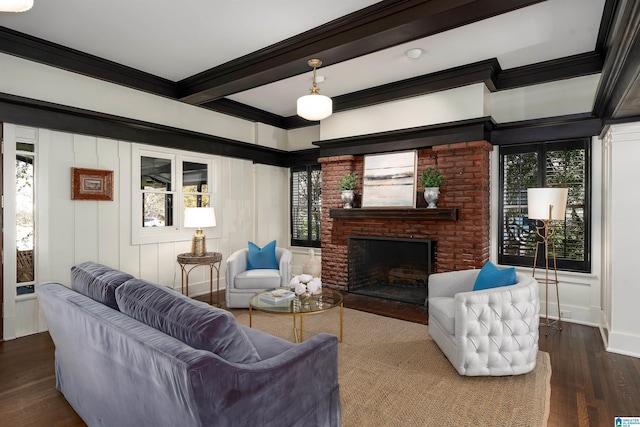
272,205
254,208
302,138
557,98
446,106
622,198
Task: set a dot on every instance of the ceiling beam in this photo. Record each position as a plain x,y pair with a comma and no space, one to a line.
556,69
374,28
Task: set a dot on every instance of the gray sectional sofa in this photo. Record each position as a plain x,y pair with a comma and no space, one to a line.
131,353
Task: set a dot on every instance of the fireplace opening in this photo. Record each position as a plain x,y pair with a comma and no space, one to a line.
394,269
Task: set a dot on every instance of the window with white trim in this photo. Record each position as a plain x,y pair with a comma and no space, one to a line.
165,182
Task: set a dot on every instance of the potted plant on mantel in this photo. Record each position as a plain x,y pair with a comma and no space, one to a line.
347,184
431,180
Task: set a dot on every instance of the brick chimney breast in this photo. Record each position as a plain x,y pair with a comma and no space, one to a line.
461,244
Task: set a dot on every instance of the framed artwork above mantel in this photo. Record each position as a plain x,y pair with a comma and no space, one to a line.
389,180
91,184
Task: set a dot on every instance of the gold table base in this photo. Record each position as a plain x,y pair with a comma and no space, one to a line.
188,262
294,308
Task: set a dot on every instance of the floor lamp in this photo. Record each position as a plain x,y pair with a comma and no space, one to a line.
546,205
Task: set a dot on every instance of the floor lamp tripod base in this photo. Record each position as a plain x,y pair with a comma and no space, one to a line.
546,233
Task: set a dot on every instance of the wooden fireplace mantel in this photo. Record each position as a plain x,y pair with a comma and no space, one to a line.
420,214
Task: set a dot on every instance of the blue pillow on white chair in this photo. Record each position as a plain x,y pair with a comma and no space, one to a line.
491,276
260,258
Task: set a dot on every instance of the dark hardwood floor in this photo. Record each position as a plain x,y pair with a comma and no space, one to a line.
589,386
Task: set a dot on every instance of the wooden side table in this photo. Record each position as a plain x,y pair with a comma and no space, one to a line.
188,262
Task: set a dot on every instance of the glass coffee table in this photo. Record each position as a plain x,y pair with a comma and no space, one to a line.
327,300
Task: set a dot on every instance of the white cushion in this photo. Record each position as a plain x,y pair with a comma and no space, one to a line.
257,279
443,309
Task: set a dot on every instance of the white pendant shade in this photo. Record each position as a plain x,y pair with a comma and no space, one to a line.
315,107
539,200
15,5
199,218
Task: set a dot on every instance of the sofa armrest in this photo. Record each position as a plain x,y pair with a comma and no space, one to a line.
287,388
236,264
452,282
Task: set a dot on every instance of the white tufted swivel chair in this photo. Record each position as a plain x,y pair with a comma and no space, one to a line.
488,332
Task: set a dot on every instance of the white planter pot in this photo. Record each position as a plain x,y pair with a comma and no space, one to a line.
347,198
431,195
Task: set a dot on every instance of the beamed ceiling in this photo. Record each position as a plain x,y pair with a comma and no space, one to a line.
249,58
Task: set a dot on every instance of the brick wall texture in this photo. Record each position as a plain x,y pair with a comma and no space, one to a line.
461,244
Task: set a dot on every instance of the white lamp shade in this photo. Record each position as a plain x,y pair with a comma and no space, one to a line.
539,200
199,217
15,5
315,106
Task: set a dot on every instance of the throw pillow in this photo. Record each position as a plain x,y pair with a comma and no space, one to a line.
193,322
262,257
491,276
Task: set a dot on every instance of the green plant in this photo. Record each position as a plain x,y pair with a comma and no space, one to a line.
431,177
348,181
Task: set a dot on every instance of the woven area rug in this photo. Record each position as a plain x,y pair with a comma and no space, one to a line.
391,373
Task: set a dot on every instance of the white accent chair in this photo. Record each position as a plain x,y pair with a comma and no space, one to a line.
488,332
242,284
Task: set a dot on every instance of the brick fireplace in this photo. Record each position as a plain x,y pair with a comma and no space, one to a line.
459,227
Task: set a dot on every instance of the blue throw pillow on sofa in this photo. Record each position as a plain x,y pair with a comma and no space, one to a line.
193,322
491,276
262,257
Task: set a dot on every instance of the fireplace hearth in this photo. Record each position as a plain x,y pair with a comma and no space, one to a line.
394,269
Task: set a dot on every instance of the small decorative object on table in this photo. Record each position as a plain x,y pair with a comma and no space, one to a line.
277,295
305,285
347,184
431,180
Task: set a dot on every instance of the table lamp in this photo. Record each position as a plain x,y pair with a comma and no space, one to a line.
199,218
546,205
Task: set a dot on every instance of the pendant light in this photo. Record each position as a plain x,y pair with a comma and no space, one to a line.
15,5
314,106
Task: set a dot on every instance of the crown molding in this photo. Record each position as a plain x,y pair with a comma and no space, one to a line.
618,95
44,52
409,139
548,128
32,112
556,69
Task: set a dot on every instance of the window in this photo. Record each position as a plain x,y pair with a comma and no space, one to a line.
552,164
165,182
25,217
306,201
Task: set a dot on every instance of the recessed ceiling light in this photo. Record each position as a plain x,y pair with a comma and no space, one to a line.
414,53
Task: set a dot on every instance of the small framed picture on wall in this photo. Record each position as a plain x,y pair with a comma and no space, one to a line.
91,184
